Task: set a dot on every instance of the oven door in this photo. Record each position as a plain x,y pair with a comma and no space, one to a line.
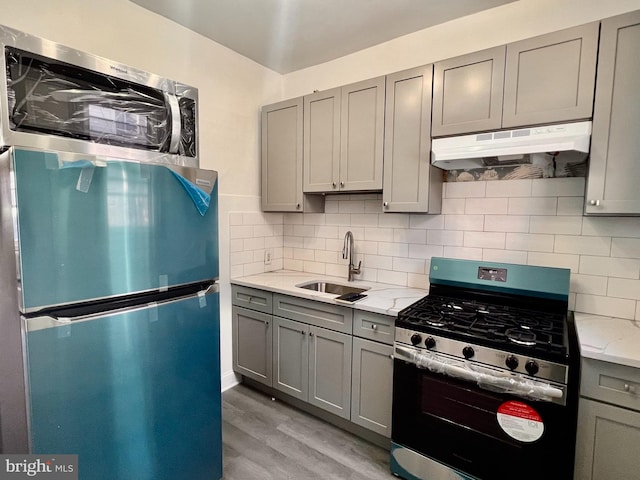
482,433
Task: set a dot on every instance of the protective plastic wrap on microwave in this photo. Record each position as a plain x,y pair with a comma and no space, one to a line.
110,104
486,378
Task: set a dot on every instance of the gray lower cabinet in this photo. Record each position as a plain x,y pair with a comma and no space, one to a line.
608,422
614,169
343,138
372,385
291,357
410,183
252,344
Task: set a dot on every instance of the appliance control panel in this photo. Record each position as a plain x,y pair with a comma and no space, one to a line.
533,367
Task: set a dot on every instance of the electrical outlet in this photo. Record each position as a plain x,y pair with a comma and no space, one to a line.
268,254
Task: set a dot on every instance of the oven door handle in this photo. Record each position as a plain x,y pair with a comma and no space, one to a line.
484,379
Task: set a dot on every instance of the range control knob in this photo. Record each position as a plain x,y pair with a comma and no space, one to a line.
430,342
416,339
531,367
512,362
468,352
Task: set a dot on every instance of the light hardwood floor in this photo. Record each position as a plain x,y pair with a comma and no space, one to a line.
270,440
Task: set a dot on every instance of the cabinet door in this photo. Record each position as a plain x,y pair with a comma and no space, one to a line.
606,438
330,371
372,385
291,357
467,93
282,156
551,78
322,141
614,169
361,135
410,183
252,344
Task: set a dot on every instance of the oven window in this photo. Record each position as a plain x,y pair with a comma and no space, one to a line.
56,98
456,423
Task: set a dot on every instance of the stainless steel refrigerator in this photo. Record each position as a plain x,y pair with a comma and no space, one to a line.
110,314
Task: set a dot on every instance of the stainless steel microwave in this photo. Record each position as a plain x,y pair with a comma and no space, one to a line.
58,98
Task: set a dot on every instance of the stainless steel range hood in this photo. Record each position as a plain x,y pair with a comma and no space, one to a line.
508,147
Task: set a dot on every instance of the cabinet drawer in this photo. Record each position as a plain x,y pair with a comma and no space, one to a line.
374,326
612,383
252,298
315,313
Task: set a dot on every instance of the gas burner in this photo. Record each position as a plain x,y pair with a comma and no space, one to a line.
521,337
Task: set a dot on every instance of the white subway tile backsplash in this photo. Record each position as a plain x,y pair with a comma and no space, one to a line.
372,206
506,223
378,262
409,265
293,219
327,231
490,206
610,266
315,243
253,218
606,306
464,253
484,239
263,230
570,205
393,278
509,188
235,218
240,231
364,219
273,218
351,206
291,264
365,247
304,230
330,206
465,189
303,254
583,245
625,247
273,242
561,225
236,246
559,260
558,187
378,234
325,256
314,218
393,249
638,310
464,222
453,206
236,271
416,280
589,284
612,226
425,251
426,222
504,256
253,268
314,267
624,288
530,242
407,235
240,258
337,219
445,237
253,243
533,206
393,220
295,242
336,270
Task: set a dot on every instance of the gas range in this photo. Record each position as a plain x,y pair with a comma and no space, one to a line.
512,319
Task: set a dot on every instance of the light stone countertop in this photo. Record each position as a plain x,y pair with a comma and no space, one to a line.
381,298
609,339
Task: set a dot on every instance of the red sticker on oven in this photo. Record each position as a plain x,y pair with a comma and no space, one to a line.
520,421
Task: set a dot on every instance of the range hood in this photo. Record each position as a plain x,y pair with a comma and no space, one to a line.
508,147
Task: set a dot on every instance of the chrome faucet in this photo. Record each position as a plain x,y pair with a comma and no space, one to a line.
347,252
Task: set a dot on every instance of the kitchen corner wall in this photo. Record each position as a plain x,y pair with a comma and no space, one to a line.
534,222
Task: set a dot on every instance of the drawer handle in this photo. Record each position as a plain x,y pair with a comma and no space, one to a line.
311,334
302,332
391,356
250,299
629,388
374,327
266,323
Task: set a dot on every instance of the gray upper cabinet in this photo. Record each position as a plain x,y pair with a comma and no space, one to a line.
343,138
545,79
551,78
322,141
614,169
282,156
467,93
410,183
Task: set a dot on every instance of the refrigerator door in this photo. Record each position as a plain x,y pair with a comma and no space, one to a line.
134,394
100,229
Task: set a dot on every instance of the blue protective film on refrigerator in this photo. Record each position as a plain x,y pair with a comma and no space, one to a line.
132,230
201,199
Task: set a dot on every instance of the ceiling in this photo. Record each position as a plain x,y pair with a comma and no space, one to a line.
288,35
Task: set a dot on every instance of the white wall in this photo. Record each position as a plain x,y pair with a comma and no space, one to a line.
231,90
497,26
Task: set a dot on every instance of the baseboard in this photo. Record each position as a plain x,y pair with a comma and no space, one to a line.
229,380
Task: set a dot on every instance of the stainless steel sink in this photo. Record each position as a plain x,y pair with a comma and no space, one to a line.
328,287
